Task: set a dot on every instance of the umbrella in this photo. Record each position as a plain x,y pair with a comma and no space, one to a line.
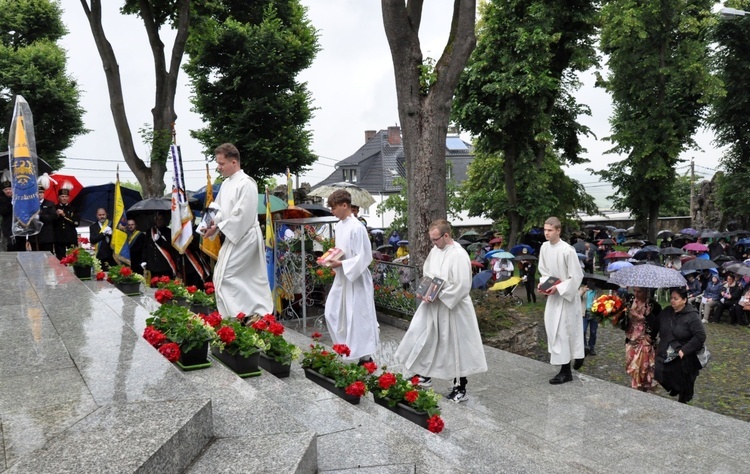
689,231
731,266
526,256
277,204
670,251
496,240
631,242
710,234
518,249
648,252
620,231
41,165
61,181
502,285
474,246
598,281
606,242
376,231
682,240
294,212
500,254
474,263
469,235
580,246
463,242
617,266
745,241
480,279
618,254
201,193
385,248
699,264
743,270
403,242
695,247
665,233
321,211
150,205
740,232
723,258
648,276
92,198
360,197
596,226
581,256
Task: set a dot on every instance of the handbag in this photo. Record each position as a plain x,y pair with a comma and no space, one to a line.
704,355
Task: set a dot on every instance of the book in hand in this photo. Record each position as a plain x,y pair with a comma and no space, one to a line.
549,283
331,255
208,219
428,288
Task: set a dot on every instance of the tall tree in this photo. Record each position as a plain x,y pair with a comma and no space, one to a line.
660,83
34,66
730,114
244,60
424,97
516,98
155,14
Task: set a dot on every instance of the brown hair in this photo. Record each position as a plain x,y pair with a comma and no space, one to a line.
442,225
554,222
228,150
340,196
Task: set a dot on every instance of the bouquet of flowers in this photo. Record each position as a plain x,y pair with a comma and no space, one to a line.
237,339
80,257
123,274
174,329
349,376
277,347
608,307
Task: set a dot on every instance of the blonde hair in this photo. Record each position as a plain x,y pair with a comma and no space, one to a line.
442,225
554,222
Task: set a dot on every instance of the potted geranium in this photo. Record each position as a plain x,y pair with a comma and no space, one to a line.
405,398
125,279
202,301
189,335
279,353
82,260
329,370
171,291
238,346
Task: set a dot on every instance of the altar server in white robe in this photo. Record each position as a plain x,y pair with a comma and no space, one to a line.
562,312
443,339
350,307
240,278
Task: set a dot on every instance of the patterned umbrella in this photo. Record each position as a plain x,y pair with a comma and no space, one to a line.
648,276
360,197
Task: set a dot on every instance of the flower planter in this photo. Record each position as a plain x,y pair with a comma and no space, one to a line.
405,411
181,301
330,385
82,272
130,289
275,368
195,359
201,309
242,366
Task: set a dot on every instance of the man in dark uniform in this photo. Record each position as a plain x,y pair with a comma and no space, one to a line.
6,211
100,236
136,241
45,239
159,251
67,219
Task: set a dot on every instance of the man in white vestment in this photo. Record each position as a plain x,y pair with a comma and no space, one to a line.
562,312
443,339
240,275
350,307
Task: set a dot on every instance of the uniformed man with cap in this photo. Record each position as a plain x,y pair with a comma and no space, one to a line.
6,211
45,239
67,218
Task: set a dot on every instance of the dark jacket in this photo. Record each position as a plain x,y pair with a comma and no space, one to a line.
160,255
104,252
6,211
65,225
136,246
47,215
683,331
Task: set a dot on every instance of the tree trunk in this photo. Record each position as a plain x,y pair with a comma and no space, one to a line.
424,110
511,194
653,221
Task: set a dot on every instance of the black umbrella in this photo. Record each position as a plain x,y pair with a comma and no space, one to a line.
463,242
599,281
316,209
91,198
649,252
154,205
743,270
630,242
671,251
607,242
723,258
526,256
580,246
710,234
731,266
41,165
664,234
698,264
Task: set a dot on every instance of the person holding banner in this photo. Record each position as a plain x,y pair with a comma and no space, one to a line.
240,277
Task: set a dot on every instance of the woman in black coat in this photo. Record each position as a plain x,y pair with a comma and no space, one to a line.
681,337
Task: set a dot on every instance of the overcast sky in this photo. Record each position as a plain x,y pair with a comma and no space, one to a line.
351,81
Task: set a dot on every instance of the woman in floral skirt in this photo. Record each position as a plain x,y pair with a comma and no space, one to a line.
640,336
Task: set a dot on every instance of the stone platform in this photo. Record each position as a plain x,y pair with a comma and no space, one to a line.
81,391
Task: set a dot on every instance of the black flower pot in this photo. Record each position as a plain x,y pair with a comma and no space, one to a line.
271,365
242,366
82,272
330,385
201,309
129,289
181,301
405,411
194,357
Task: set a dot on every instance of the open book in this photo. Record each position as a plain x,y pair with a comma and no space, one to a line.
428,288
549,283
208,219
331,255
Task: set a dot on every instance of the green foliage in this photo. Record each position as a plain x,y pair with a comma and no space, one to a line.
246,340
34,66
181,326
660,84
244,59
427,75
678,203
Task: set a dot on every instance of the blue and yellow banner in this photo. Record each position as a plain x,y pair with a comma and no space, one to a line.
23,164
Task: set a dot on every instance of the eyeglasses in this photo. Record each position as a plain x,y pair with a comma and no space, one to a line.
434,241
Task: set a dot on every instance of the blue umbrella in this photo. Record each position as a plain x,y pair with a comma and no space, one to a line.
500,253
619,265
92,198
745,241
481,279
518,249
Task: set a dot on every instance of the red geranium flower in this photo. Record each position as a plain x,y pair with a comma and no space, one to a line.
164,279
415,380
154,282
210,291
259,325
126,271
241,316
324,353
370,367
411,396
171,351
226,334
83,240
162,296
316,335
269,318
101,276
213,319
386,381
154,336
342,349
208,285
435,424
192,289
356,389
277,329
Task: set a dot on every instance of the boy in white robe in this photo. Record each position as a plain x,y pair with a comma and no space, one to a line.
240,275
562,312
350,307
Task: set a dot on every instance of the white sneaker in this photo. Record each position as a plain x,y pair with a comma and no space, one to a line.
457,395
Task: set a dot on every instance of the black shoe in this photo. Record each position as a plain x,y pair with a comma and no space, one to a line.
592,352
586,351
578,364
364,361
561,378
